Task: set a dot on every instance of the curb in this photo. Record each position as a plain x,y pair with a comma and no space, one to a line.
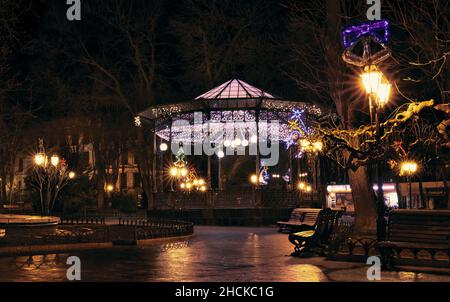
61,248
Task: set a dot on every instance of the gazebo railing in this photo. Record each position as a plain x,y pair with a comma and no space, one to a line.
236,198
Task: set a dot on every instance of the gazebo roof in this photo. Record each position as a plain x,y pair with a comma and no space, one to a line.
234,94
235,89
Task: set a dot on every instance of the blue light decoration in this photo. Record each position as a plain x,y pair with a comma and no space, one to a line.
376,32
264,175
379,30
297,127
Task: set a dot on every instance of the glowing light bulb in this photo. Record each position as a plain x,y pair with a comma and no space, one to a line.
173,171
183,172
254,179
163,147
39,159
220,154
54,160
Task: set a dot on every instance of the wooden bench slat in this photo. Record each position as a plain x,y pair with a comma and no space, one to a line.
413,245
416,230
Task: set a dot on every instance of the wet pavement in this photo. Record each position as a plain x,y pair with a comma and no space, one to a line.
214,254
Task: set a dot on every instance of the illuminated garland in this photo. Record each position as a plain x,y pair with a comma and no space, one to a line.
373,32
302,136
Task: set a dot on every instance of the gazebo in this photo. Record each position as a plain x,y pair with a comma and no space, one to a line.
236,119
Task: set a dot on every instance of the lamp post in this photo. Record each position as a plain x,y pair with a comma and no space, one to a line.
409,168
378,91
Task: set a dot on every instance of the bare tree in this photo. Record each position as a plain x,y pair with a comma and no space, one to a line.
317,68
423,55
14,114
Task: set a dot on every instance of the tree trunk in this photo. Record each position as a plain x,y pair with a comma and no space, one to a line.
422,194
144,162
364,198
364,202
100,169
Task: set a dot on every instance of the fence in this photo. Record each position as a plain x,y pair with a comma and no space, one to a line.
235,199
94,230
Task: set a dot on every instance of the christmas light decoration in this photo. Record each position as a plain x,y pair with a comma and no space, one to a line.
367,34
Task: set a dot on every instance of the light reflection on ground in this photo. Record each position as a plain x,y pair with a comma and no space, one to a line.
215,254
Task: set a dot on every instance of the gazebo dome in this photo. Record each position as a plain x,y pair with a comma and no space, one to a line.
235,104
235,89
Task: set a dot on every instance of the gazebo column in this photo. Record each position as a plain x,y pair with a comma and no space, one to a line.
154,160
257,190
209,166
219,174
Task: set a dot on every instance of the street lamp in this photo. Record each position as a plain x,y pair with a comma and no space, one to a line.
39,159
109,188
254,179
163,147
409,168
378,90
54,160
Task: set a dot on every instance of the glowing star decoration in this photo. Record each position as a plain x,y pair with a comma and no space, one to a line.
264,175
297,128
366,34
137,121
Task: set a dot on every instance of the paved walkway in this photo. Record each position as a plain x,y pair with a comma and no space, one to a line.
215,254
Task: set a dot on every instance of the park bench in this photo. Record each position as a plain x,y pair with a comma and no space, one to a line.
301,219
315,241
417,237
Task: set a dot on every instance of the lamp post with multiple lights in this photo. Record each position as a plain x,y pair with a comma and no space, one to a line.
378,90
51,175
409,168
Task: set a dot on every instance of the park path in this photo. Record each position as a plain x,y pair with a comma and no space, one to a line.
214,254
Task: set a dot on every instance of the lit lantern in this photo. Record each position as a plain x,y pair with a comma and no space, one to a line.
72,175
173,171
301,186
39,159
318,146
383,93
254,179
408,168
110,188
163,147
371,79
184,172
54,160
